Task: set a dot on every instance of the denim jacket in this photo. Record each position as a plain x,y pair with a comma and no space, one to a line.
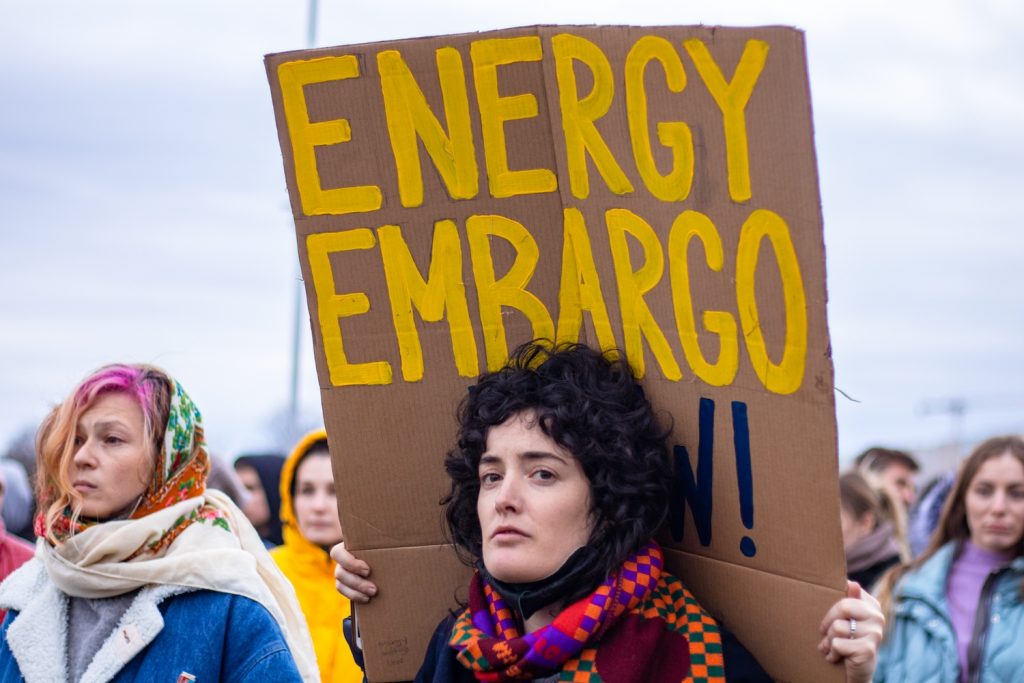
920,644
167,633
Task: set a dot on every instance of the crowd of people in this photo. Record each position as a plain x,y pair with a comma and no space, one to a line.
947,566
154,561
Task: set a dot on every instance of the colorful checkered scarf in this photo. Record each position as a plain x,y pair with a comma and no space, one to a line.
180,474
640,626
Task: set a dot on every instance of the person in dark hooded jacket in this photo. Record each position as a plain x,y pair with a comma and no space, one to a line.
261,476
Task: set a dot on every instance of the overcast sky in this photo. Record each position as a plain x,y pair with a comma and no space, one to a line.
144,213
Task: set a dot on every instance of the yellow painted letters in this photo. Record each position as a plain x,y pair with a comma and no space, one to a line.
785,376
495,110
409,115
732,98
637,320
442,291
674,187
510,290
331,307
578,115
306,136
580,288
688,225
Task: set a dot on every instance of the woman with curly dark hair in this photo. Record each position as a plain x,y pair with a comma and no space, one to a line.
559,481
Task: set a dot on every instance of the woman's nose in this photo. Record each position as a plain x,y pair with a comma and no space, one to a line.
508,497
84,457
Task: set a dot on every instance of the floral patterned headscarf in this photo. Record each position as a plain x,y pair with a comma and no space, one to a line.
180,473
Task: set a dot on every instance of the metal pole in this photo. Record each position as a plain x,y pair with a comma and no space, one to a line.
293,402
293,396
311,31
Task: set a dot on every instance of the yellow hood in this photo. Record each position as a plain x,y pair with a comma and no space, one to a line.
311,572
289,526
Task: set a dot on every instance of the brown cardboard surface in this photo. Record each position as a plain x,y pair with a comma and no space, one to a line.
754,446
430,577
759,599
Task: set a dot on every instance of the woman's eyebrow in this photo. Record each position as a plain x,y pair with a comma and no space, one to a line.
488,459
542,455
109,424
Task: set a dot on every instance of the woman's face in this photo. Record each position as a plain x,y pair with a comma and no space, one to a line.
853,528
534,502
995,504
113,461
316,504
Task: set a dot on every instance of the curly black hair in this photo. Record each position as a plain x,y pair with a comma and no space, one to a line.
589,403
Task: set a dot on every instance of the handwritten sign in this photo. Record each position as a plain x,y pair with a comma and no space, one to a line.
648,189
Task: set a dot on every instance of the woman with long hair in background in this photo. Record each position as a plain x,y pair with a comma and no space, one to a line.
956,613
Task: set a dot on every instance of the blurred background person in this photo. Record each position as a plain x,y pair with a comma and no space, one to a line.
892,470
141,573
309,512
891,473
14,551
956,613
19,504
224,478
867,534
924,515
22,450
261,476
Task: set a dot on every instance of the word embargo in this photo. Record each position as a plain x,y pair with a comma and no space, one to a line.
442,294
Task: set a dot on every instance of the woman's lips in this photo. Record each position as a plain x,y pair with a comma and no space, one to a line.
507,532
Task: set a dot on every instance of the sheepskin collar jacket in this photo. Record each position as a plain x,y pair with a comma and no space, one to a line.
167,632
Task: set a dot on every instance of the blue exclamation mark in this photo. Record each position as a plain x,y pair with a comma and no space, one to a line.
744,474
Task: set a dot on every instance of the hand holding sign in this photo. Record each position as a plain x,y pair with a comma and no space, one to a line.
853,629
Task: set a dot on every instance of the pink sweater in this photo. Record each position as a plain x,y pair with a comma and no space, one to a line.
14,552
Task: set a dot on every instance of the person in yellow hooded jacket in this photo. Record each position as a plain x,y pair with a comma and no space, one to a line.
310,524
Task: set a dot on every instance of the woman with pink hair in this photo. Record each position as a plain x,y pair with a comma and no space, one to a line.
142,573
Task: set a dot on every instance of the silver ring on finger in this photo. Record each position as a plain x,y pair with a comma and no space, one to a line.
853,628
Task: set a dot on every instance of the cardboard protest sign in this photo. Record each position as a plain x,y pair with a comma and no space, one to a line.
651,189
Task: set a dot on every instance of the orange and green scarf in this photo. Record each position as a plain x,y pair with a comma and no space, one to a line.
639,626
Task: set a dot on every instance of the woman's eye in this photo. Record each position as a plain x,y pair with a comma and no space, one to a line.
490,478
113,440
544,474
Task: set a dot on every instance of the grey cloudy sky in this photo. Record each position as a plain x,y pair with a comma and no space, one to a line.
143,207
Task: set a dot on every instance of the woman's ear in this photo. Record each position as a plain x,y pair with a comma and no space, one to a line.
867,523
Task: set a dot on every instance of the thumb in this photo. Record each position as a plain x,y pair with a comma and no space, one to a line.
853,589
